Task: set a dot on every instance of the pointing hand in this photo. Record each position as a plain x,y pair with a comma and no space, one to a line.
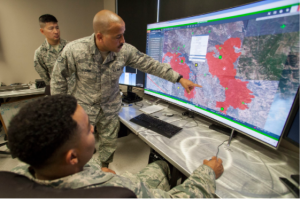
188,85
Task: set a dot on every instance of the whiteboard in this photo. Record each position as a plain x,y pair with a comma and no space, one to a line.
10,109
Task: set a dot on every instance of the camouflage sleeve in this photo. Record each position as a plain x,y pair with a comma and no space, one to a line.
201,184
147,64
63,68
41,67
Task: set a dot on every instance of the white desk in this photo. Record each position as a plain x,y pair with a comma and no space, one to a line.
25,92
251,169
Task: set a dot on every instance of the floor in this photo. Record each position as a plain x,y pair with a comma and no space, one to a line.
126,158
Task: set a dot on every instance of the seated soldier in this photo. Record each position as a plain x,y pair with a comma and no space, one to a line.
53,136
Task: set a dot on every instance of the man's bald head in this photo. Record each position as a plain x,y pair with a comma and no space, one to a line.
104,20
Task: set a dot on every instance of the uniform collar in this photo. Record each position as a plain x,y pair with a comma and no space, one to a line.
91,175
62,44
94,50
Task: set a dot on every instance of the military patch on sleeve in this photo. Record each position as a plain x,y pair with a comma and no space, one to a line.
60,59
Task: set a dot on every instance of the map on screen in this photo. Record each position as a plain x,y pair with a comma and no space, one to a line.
248,69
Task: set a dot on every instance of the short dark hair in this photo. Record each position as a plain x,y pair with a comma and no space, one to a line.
47,18
41,127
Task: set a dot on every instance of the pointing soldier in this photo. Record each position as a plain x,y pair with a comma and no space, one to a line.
46,55
93,66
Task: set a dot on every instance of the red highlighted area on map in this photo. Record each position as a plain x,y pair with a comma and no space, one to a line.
178,64
236,92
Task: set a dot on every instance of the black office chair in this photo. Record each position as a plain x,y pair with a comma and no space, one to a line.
4,143
17,186
4,152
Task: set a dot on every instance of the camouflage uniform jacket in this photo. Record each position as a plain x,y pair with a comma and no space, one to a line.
45,57
96,82
200,184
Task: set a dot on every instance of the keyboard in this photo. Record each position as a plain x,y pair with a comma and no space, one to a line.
163,128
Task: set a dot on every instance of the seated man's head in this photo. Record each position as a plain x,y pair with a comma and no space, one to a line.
53,135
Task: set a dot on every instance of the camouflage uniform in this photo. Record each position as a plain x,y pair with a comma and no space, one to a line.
95,83
150,182
45,57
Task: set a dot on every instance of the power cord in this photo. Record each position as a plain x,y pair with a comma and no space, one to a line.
218,148
189,115
190,126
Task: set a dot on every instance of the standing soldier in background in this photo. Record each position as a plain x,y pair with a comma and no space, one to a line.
93,66
46,55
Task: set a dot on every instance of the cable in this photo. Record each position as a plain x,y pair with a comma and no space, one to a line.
191,126
141,106
267,169
181,118
218,148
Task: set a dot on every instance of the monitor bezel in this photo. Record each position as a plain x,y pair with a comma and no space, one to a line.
201,15
210,118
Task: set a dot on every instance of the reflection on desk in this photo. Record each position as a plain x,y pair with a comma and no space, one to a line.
251,169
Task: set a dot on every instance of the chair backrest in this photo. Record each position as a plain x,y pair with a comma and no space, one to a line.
17,186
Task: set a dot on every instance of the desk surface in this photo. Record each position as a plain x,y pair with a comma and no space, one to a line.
25,92
251,169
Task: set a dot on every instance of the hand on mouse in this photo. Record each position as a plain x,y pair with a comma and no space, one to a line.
105,169
216,165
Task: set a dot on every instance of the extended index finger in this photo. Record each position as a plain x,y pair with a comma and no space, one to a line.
197,85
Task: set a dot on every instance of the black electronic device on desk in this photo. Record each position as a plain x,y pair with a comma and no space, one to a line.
163,128
294,189
39,83
295,178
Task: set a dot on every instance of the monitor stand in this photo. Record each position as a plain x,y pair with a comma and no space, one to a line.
130,96
225,130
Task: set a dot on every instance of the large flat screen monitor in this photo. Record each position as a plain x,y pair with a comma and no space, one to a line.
246,59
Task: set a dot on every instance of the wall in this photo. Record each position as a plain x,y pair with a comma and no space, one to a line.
20,35
110,5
